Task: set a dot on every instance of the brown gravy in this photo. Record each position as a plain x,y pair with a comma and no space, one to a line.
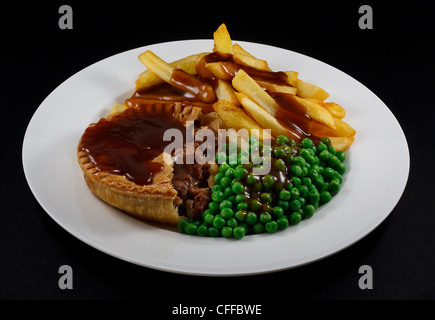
129,142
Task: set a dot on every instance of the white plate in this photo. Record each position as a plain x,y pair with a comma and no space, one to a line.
378,167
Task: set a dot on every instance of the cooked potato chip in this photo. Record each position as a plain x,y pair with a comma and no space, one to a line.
341,143
248,86
341,129
311,91
222,40
148,79
241,56
236,118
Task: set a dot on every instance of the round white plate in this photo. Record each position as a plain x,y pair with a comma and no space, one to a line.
378,167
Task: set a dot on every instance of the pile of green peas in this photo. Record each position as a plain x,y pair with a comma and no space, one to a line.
302,177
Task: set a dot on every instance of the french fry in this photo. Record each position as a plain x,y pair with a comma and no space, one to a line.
220,70
241,56
248,86
317,112
311,91
225,91
341,143
273,87
341,129
265,119
236,118
149,79
166,72
157,65
292,76
336,110
222,40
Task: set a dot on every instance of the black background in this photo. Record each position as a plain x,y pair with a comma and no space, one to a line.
395,60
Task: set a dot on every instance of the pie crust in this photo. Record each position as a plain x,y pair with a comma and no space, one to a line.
156,202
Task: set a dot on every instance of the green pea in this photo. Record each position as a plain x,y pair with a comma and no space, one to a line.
281,139
213,206
308,211
266,197
306,143
182,225
242,206
267,207
208,218
218,221
313,196
294,193
265,217
202,231
258,228
241,198
284,195
227,213
225,182
232,222
303,191
228,192
216,187
341,155
213,232
334,186
295,205
230,173
251,179
283,204
251,218
217,196
296,170
224,167
289,159
328,172
239,232
255,205
238,187
240,215
341,168
332,150
232,199
227,232
280,165
271,227
240,173
282,223
278,212
268,181
295,218
333,161
305,153
225,204
191,228
279,152
325,197
326,141
296,181
299,161
324,155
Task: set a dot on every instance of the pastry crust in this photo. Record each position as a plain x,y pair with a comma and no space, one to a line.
156,202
